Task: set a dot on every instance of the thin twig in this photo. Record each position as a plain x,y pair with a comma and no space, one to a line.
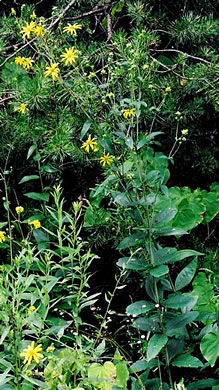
51,27
185,54
17,51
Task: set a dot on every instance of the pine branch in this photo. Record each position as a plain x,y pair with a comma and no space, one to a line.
185,54
57,21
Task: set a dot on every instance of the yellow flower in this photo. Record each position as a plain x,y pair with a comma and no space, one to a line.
2,237
36,223
19,209
50,349
90,143
107,159
168,89
185,132
129,113
29,373
91,75
72,28
13,12
32,308
26,31
28,63
19,60
70,56
23,108
40,30
31,353
52,70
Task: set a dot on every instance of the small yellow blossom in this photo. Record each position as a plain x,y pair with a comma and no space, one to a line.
23,108
19,60
90,143
26,31
168,89
2,237
52,70
92,75
36,223
31,353
107,159
72,28
50,349
29,373
185,132
19,209
33,16
40,30
129,113
145,66
70,56
32,308
111,95
13,12
28,63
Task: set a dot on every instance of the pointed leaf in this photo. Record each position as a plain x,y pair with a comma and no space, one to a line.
28,178
164,217
37,196
186,275
30,151
159,271
187,361
85,128
210,347
156,343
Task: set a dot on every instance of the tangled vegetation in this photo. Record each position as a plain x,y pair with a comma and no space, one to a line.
108,172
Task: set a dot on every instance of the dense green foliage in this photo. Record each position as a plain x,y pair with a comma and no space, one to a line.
108,161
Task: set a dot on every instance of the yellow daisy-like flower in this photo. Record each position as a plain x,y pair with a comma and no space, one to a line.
90,143
19,60
2,237
31,353
107,159
36,223
26,31
52,70
28,63
19,209
23,108
70,56
129,113
72,28
40,31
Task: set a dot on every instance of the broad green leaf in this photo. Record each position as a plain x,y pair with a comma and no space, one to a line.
180,301
129,142
139,307
156,343
186,275
164,217
36,382
141,143
48,169
175,347
181,255
30,151
132,240
159,271
141,365
38,196
180,321
85,128
187,361
210,347
28,178
3,224
132,263
122,375
148,324
204,384
170,232
122,199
